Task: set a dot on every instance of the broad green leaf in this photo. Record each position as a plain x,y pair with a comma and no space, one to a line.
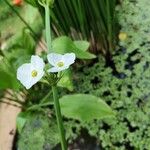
8,80
84,107
82,45
64,44
31,14
28,42
7,76
66,80
21,120
82,54
5,80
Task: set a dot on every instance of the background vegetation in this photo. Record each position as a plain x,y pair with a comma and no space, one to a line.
124,84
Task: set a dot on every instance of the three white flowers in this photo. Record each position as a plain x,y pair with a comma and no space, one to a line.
30,73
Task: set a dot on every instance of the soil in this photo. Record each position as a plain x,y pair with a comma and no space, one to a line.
8,115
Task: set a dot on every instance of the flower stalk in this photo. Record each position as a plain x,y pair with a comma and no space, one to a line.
54,86
59,118
47,25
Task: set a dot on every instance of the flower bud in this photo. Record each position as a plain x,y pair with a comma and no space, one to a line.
44,2
17,2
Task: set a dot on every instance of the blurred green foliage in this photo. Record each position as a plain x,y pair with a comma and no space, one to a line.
126,92
43,127
125,89
17,42
94,21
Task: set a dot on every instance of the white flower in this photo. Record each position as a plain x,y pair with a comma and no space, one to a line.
30,73
60,62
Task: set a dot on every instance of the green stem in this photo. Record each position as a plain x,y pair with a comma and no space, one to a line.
35,107
48,30
109,25
59,118
54,87
46,97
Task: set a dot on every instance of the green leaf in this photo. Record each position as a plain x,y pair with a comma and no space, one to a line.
32,2
66,80
28,42
82,45
8,77
5,80
83,55
8,80
21,120
84,107
1,53
64,45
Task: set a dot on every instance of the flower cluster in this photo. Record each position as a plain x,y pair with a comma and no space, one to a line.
30,73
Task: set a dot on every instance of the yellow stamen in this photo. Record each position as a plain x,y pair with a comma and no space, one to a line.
34,73
60,64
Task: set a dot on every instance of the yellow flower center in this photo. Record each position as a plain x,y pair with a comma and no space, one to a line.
34,73
122,36
60,64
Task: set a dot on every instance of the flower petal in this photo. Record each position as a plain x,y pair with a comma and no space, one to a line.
69,58
54,58
58,69
37,62
24,75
